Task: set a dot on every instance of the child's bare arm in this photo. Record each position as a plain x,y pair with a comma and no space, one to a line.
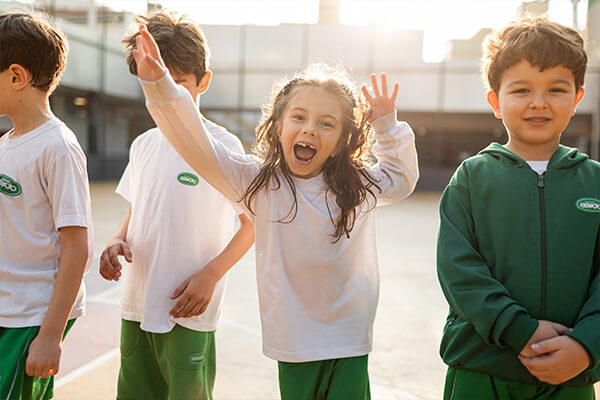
559,359
44,353
110,267
195,292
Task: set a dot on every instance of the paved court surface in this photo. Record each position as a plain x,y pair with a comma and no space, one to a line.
404,364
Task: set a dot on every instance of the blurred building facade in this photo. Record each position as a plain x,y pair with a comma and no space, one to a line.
444,102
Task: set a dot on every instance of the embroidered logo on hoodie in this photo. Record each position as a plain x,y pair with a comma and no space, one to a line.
588,205
8,186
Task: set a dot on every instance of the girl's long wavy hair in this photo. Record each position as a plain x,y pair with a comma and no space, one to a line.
346,173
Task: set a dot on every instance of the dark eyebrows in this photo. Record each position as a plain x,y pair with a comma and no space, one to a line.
516,83
563,81
524,82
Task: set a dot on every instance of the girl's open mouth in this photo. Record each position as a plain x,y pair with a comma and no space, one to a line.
304,152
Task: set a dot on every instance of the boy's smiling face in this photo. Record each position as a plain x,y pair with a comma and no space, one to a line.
535,106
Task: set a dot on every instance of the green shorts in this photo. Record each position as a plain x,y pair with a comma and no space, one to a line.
342,378
175,365
466,385
15,384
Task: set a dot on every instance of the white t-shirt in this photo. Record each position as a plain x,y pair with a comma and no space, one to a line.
43,187
178,224
539,166
317,299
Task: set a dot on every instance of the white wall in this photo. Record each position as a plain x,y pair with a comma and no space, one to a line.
272,53
247,60
84,63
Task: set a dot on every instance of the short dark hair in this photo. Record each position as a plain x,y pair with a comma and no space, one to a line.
543,43
181,42
36,45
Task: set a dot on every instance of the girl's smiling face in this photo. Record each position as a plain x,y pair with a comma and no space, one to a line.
310,130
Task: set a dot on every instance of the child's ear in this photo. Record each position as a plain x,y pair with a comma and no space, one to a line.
492,99
19,76
278,129
205,81
578,97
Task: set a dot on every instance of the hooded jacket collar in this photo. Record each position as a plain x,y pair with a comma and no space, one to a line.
563,158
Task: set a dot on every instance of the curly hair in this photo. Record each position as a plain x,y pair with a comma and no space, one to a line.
544,44
345,174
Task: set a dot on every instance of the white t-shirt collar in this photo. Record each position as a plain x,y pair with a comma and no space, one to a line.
12,142
538,166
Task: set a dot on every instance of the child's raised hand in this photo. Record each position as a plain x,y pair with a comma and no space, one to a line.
380,102
150,65
559,359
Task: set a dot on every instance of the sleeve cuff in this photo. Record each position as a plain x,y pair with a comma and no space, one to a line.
238,210
161,91
384,123
124,194
519,331
586,333
71,220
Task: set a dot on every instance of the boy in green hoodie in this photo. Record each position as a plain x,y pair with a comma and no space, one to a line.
518,246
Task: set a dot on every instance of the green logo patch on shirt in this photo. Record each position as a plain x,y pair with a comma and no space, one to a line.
188,178
9,186
588,205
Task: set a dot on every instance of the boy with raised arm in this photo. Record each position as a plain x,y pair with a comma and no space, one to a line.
46,234
178,236
519,239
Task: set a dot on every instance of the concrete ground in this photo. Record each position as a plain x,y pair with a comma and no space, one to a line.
404,364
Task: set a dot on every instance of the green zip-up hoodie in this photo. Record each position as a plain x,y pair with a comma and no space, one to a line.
515,248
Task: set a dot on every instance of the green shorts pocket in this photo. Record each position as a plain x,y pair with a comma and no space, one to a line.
130,337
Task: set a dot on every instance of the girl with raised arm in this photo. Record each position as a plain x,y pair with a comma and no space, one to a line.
312,189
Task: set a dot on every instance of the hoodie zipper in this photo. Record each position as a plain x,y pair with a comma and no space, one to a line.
540,185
